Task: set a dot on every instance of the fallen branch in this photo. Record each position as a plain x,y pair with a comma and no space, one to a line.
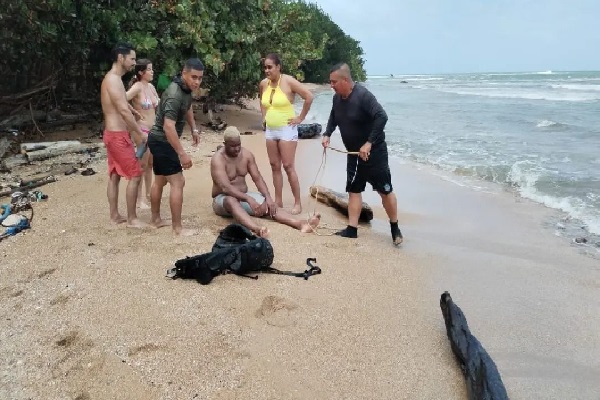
24,95
483,378
33,120
339,201
30,185
44,150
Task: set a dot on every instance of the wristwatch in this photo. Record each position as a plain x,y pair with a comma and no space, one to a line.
195,130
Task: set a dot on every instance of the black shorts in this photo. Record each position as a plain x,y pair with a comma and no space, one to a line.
376,172
165,160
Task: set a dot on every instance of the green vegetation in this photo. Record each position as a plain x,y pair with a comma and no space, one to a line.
65,44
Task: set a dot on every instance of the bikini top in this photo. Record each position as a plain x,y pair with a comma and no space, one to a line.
147,103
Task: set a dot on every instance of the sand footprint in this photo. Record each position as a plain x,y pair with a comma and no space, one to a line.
277,311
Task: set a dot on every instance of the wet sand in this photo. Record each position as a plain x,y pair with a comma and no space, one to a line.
87,312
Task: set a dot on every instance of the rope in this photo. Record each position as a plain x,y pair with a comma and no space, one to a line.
320,172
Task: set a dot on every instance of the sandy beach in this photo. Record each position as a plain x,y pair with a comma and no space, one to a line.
87,312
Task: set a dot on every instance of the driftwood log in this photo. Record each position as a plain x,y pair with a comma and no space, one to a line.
482,376
44,150
27,185
339,201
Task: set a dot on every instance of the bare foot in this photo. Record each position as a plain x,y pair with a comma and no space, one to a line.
185,232
297,209
313,222
159,223
263,232
118,219
137,224
279,203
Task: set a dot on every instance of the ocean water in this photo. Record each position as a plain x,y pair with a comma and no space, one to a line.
536,134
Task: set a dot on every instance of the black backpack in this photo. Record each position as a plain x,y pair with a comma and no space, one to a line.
237,250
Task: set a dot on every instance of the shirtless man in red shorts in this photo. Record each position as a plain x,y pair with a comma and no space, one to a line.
118,123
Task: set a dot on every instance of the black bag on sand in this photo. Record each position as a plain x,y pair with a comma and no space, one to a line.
483,379
237,250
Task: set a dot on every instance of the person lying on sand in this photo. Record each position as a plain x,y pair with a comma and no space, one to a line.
228,168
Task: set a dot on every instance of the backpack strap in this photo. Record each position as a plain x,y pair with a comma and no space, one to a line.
313,270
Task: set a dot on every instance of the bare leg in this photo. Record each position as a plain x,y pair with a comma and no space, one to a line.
177,183
148,174
305,226
275,160
287,150
131,197
112,192
155,199
142,200
233,206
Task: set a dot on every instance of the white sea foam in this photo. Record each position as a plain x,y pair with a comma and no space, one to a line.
527,94
524,175
547,123
580,87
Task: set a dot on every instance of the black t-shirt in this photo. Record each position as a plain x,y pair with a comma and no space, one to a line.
174,105
360,118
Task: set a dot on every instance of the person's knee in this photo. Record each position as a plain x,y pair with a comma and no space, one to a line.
289,167
230,203
275,165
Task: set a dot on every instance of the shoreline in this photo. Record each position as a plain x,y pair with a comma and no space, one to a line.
89,312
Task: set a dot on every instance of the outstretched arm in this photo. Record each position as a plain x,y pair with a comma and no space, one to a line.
377,113
257,177
263,111
331,125
306,94
271,206
133,91
189,117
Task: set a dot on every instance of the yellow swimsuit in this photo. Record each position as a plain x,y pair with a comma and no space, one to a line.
278,106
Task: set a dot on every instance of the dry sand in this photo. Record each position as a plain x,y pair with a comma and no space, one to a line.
87,312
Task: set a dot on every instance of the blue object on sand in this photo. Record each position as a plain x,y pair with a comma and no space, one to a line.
139,152
5,211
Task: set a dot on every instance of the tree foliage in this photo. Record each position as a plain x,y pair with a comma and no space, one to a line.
71,39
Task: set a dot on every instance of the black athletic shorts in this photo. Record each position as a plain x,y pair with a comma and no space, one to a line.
376,172
164,157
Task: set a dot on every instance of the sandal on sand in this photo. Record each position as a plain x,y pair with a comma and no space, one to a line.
88,172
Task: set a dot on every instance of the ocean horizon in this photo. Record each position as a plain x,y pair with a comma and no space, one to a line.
534,134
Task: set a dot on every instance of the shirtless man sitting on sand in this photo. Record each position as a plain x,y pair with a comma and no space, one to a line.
228,168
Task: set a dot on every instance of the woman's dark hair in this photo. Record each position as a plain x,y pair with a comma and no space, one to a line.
273,57
141,66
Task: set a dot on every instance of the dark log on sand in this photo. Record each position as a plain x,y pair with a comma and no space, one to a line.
30,184
482,376
44,150
339,201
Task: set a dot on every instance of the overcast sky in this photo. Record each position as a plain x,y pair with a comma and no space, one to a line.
438,36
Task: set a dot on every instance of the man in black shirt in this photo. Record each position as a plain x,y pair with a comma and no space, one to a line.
361,121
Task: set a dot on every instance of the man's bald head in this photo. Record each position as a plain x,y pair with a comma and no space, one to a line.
340,79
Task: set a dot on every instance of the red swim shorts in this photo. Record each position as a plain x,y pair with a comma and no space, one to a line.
121,154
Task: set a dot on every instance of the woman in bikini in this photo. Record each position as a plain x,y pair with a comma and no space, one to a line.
144,98
277,94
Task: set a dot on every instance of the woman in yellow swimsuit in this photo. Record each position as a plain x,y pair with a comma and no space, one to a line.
277,94
144,98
